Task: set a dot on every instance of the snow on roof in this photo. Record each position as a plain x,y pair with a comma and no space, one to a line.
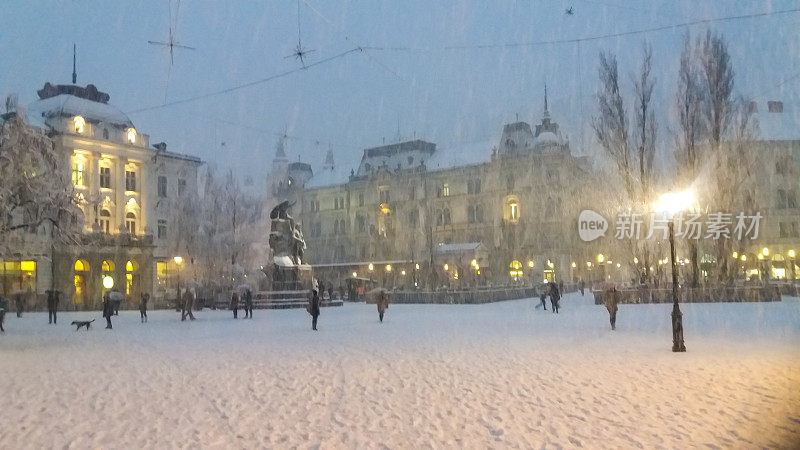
779,126
460,155
70,105
329,177
461,247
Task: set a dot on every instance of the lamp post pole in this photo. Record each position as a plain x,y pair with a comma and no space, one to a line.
677,316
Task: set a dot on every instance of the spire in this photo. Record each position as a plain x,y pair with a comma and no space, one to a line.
328,160
546,112
279,150
74,74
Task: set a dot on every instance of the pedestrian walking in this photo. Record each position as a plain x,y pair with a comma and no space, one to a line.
143,307
188,304
18,303
108,310
3,308
611,300
555,297
583,286
313,308
543,298
382,301
248,304
235,304
52,305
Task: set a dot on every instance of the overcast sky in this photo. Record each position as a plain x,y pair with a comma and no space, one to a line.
448,96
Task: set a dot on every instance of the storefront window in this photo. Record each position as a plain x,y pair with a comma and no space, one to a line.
17,276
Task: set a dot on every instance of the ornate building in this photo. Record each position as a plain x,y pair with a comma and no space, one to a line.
128,191
414,214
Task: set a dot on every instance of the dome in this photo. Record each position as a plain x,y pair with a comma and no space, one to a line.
546,139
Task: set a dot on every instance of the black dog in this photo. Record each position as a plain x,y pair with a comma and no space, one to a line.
82,323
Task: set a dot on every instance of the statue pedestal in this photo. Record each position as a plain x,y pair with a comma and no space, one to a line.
291,278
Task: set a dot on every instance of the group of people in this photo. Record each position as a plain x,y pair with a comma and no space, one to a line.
554,292
110,308
247,299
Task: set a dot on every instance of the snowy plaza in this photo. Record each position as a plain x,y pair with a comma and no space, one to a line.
500,375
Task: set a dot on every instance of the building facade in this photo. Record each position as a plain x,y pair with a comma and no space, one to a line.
411,214
127,191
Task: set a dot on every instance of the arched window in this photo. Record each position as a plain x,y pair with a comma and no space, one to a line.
511,209
79,280
130,223
108,266
81,265
131,267
105,221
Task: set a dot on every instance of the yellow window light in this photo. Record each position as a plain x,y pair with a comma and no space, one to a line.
79,123
131,135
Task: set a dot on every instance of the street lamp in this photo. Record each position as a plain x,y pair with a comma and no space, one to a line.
670,204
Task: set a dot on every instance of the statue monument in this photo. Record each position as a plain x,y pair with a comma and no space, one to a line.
289,272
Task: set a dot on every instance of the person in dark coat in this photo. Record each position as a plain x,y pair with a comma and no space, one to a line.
52,305
583,286
235,304
18,303
108,310
555,296
3,307
383,303
188,304
248,304
313,308
543,298
611,300
143,307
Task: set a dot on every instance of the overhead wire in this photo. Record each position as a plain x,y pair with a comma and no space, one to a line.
583,39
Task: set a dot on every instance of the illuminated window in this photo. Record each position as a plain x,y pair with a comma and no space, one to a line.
81,265
511,211
78,172
79,124
130,223
130,133
108,265
16,276
515,269
105,221
444,190
130,267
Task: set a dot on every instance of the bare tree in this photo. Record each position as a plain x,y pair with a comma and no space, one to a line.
689,141
35,188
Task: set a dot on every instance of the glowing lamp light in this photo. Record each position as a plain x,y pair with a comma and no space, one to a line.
675,202
600,257
618,265
446,267
108,282
588,264
416,266
791,253
371,267
765,251
573,264
355,274
178,260
530,264
735,255
635,260
744,257
474,262
403,272
760,256
388,267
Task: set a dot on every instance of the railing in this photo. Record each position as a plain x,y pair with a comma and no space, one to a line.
709,294
471,297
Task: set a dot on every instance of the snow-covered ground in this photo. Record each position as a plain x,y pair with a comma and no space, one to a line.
497,375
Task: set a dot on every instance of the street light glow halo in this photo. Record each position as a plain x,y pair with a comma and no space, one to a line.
672,203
